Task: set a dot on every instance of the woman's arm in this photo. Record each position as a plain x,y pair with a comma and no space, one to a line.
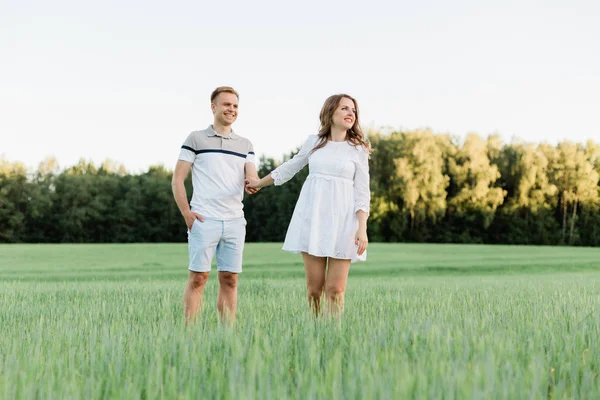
254,183
362,199
362,241
288,169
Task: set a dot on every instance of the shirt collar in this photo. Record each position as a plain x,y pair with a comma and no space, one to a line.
210,131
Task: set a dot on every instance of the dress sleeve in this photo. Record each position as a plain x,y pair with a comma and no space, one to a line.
288,169
362,191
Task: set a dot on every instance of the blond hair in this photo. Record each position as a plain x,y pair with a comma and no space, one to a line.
222,89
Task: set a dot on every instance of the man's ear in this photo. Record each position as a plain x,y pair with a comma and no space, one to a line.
213,107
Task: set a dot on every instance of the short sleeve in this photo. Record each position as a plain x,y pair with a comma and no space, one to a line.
250,156
188,150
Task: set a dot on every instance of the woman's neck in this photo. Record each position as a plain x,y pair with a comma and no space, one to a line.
338,134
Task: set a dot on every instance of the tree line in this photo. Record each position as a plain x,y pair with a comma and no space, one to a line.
425,187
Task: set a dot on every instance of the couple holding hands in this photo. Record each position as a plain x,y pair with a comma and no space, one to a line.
329,223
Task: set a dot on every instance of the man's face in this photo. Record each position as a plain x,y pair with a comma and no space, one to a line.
225,108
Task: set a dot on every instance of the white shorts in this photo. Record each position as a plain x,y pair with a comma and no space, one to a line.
225,237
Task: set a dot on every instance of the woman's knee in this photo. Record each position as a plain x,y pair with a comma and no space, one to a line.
334,291
314,292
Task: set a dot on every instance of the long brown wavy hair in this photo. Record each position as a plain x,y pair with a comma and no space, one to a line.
354,135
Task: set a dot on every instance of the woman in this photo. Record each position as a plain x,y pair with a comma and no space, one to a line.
329,224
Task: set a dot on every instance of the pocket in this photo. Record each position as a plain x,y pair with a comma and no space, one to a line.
238,227
191,230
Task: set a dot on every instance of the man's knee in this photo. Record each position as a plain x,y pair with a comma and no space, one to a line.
228,280
197,280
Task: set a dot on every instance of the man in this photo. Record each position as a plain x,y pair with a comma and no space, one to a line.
220,161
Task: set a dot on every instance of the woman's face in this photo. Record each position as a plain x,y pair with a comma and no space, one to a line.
345,115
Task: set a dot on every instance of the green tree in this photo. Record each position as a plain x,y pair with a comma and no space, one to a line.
420,177
476,198
14,198
527,214
571,171
387,221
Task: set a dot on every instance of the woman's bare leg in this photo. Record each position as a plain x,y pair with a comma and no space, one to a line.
335,285
315,268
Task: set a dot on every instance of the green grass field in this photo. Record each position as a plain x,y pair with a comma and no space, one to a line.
421,321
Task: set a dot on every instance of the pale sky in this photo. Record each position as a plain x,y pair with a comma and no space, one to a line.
128,80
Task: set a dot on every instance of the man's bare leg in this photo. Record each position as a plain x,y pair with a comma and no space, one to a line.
192,296
227,300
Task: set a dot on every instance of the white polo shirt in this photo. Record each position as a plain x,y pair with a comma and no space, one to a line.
217,172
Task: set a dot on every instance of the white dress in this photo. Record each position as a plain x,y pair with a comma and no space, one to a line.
324,222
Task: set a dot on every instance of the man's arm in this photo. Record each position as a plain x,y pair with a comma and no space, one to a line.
250,172
253,183
182,169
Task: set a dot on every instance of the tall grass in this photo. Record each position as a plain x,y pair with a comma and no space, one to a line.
105,321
